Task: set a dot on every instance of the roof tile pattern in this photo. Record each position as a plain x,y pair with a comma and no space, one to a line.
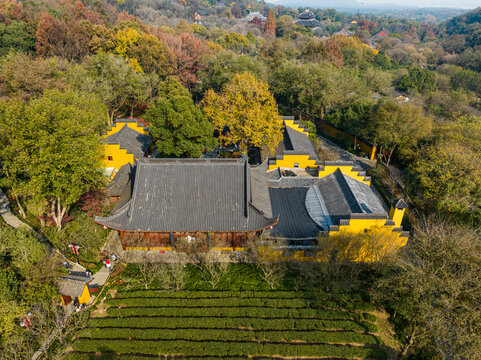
189,195
134,142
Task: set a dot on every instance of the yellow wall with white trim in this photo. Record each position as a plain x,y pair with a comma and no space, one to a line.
396,215
296,127
120,157
347,170
133,125
288,161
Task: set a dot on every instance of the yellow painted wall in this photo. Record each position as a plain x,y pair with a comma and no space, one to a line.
396,215
369,150
296,127
85,297
288,161
358,225
120,157
152,248
347,170
133,125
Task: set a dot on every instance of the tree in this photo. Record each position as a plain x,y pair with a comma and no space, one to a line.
285,26
222,67
110,78
382,60
213,269
172,274
177,125
248,110
400,126
188,51
236,11
420,80
149,271
315,88
56,142
270,25
55,37
16,37
432,291
449,172
24,76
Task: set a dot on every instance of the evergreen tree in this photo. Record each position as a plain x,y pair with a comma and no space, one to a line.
270,26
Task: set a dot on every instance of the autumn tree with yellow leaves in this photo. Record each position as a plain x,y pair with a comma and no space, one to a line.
248,110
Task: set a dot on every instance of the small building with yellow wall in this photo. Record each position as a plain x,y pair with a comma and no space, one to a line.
74,287
125,142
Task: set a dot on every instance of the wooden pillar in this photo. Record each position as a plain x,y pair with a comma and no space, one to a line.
208,242
234,242
147,240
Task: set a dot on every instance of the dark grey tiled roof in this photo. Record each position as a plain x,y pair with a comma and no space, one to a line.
259,191
189,195
135,142
307,22
299,143
399,204
72,285
118,183
306,14
344,196
294,220
344,32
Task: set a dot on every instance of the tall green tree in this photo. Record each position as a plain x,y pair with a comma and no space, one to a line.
16,37
51,151
448,172
177,125
111,79
248,110
313,88
398,126
432,291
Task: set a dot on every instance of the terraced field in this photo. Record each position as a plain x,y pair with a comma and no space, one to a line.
231,324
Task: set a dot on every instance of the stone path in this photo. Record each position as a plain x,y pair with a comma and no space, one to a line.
7,215
101,276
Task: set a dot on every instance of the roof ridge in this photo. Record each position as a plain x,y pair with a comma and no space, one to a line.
342,176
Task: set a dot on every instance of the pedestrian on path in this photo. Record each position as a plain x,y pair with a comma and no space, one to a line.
107,264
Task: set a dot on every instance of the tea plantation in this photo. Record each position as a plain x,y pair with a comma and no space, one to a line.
220,324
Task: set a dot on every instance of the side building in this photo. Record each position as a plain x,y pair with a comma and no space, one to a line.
125,142
331,199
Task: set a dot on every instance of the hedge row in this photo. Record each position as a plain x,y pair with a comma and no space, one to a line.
243,302
233,323
241,294
114,356
319,337
257,312
224,349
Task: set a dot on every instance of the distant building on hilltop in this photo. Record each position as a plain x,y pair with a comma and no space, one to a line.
376,38
252,15
345,32
308,20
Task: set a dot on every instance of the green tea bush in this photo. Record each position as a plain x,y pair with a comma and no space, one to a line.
318,337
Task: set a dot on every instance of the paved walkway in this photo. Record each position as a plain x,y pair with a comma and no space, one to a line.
7,215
